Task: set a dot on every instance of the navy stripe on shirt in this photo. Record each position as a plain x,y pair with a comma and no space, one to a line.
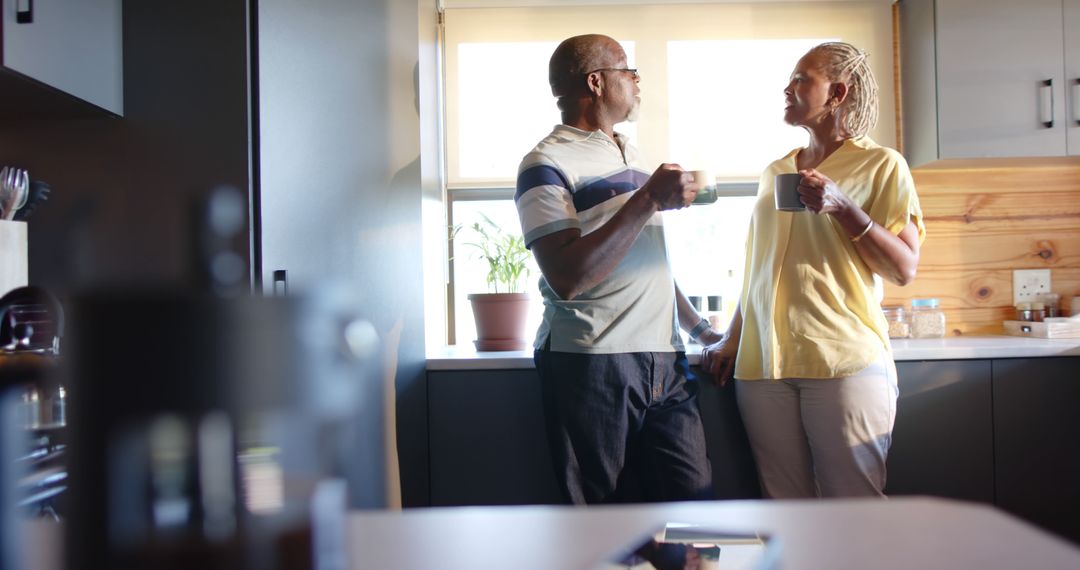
603,189
539,175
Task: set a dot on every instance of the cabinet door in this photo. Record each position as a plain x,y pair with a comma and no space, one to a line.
943,437
487,442
993,58
733,469
1072,73
1036,430
75,46
918,69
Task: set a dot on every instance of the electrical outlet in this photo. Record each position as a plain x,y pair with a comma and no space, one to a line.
1029,284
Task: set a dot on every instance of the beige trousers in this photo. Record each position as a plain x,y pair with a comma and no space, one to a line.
821,437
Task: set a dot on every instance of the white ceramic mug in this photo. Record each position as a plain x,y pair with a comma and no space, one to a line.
707,191
787,193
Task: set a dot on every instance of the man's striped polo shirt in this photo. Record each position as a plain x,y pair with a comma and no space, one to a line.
579,179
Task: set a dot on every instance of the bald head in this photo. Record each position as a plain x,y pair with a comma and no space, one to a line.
577,56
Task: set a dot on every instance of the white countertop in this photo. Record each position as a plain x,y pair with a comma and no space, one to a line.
465,357
839,534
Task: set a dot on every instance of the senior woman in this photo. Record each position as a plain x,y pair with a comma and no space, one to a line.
808,345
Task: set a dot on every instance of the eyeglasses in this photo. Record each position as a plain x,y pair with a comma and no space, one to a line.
630,70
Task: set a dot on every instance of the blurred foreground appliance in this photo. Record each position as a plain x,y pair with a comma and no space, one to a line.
33,468
220,433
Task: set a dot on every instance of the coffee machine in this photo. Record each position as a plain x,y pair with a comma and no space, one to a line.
216,428
33,425
209,428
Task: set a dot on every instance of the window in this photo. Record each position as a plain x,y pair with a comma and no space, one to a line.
469,271
485,146
729,119
712,99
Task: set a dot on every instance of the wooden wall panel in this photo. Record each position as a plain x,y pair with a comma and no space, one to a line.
985,218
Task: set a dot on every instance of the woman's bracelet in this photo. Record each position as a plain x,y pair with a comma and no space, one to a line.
699,328
863,233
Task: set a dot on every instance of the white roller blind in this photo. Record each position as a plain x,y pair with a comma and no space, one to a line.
712,79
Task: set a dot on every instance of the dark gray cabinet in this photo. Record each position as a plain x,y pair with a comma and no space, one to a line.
487,441
1036,435
488,447
1000,432
74,47
733,468
943,436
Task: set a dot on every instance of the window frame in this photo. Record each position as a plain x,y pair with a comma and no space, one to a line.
871,28
497,192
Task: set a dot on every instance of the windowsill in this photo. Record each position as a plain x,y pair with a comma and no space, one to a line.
465,357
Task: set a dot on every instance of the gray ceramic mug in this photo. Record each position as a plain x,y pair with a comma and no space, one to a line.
787,192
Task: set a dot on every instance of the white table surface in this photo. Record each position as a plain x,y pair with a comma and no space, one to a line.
901,534
904,533
465,357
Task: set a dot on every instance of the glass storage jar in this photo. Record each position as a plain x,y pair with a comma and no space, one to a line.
1053,304
1038,312
899,326
927,319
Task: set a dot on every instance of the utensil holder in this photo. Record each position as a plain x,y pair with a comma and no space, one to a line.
14,267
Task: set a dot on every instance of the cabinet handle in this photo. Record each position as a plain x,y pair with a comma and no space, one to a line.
24,11
281,283
1046,103
1076,100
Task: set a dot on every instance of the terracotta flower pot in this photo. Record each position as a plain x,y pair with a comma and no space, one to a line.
500,320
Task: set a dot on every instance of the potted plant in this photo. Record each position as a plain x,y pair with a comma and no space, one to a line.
501,313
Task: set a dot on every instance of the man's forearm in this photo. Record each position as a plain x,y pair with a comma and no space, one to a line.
574,263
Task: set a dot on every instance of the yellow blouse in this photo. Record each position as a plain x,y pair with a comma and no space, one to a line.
811,307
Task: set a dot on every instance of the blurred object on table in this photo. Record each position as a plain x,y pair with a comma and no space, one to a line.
31,320
33,419
206,431
218,226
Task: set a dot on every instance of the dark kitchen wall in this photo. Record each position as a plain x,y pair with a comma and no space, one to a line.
122,187
335,165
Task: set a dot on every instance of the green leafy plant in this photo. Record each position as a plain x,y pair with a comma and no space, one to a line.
505,254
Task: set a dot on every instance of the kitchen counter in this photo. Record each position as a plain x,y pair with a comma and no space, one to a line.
464,357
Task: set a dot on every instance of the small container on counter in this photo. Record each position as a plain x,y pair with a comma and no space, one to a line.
927,319
1023,312
899,326
1053,305
714,314
1038,312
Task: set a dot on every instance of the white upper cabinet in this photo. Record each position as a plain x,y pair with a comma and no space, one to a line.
1072,73
988,78
74,46
1000,63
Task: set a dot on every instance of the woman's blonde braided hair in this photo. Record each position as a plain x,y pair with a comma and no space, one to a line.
848,64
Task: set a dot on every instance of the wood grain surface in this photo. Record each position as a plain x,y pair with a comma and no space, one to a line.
985,218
